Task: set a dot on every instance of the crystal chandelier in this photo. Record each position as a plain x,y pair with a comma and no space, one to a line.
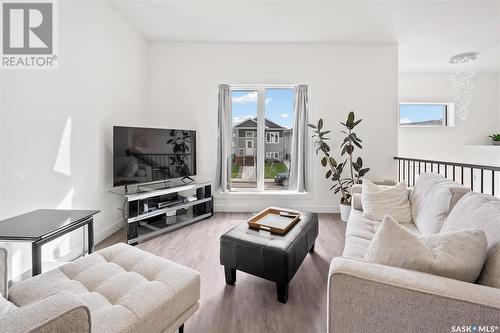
461,80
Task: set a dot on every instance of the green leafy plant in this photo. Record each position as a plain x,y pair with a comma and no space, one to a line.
351,141
495,137
336,169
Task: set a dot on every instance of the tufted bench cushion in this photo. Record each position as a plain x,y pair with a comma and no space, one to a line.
125,288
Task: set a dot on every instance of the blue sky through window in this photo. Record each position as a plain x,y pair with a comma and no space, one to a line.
279,105
417,113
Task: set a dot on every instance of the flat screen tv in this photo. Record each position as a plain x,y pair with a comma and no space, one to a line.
147,155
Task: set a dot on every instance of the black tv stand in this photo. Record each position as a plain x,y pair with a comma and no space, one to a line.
188,178
151,213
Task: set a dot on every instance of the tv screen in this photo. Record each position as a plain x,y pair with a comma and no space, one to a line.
144,155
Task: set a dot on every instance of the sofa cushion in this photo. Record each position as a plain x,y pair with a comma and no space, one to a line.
480,211
6,306
125,288
360,231
457,255
355,247
361,226
432,199
378,201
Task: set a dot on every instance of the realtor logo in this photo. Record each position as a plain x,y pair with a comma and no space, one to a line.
28,35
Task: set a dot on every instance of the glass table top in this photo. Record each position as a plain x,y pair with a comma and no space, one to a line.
39,223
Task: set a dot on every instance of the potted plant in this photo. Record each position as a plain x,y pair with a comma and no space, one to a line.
495,139
335,169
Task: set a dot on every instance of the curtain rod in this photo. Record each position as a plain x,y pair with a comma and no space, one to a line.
263,85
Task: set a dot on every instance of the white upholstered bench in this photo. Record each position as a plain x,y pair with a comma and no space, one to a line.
118,289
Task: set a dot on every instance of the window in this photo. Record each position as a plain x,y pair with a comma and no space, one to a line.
426,114
279,112
244,151
272,137
261,159
272,155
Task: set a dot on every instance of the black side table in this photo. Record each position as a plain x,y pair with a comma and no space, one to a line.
43,225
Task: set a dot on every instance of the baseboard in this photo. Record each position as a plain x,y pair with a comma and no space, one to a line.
104,233
242,208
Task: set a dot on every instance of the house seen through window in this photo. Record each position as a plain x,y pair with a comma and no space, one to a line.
262,119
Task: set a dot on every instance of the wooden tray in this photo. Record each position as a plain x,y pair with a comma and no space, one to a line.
276,220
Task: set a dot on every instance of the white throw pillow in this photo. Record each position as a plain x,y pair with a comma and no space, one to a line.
432,199
6,306
457,255
378,201
481,211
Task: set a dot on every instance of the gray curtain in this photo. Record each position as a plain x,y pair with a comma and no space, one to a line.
298,158
224,139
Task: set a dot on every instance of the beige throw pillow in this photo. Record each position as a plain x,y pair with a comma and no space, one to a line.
378,201
457,255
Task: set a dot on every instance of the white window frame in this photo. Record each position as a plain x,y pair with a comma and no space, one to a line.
272,154
448,117
261,128
249,136
276,136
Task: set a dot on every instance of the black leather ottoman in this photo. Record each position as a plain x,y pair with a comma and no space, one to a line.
269,256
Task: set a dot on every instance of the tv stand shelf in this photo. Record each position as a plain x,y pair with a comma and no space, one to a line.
168,209
155,212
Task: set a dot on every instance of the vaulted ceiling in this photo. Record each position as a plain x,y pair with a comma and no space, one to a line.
428,32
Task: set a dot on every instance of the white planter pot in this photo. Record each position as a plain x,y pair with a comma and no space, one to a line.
345,211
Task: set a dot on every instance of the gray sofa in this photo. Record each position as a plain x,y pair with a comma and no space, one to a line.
364,296
118,289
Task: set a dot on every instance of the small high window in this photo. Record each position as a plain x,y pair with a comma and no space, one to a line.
426,114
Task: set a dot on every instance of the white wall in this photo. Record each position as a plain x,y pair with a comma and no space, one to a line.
1,149
449,143
57,124
341,77
498,103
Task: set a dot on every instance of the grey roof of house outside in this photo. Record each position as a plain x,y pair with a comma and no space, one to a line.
252,122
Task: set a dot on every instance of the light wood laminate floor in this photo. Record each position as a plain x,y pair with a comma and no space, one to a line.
251,305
